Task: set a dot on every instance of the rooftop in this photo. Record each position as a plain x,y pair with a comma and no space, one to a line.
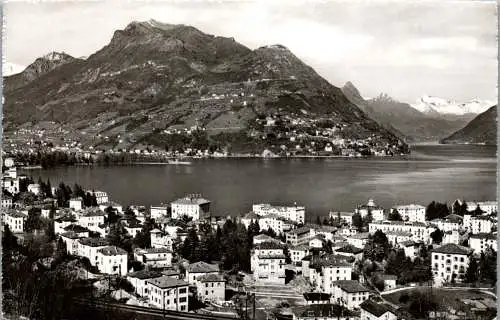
94,242
375,308
145,274
409,243
202,267
451,248
191,199
300,247
15,214
350,286
409,206
361,235
251,216
268,245
211,278
112,251
167,282
398,233
71,235
151,250
76,228
488,236
301,230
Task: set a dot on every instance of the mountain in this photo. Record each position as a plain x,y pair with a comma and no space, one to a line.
438,106
9,69
38,68
481,130
400,117
153,78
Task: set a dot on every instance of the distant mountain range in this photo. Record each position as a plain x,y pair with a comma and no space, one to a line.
153,77
405,120
481,130
437,106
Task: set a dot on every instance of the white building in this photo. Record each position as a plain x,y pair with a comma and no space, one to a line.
343,217
419,231
450,261
63,222
324,273
160,239
293,213
11,185
76,204
15,220
488,207
168,293
449,223
358,240
139,280
193,206
199,269
211,287
91,219
411,249
112,260
11,172
481,241
34,188
397,237
371,310
154,257
101,196
88,247
316,242
411,212
6,201
301,235
8,162
264,238
451,237
71,241
481,224
376,211
267,263
297,253
349,293
158,212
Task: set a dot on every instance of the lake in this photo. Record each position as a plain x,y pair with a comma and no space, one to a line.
432,172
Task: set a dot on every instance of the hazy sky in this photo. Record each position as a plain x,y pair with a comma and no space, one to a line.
404,48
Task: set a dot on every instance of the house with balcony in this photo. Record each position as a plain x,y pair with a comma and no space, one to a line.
112,260
267,263
155,258
211,287
139,280
199,269
349,293
193,206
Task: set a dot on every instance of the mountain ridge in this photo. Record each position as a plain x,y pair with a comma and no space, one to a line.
152,77
481,130
411,124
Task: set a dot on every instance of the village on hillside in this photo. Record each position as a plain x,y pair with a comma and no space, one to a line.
409,261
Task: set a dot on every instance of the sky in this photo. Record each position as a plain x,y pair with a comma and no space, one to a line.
406,49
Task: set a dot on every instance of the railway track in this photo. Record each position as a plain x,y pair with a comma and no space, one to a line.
168,314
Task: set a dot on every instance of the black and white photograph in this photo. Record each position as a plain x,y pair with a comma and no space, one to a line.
254,160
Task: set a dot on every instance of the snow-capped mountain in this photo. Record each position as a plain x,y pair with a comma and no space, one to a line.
9,69
435,105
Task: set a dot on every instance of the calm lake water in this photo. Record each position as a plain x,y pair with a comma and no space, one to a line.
431,172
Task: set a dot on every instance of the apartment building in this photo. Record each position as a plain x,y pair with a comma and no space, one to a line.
450,261
358,240
101,196
168,293
376,211
15,220
88,247
349,293
488,207
139,280
411,212
160,239
200,269
70,239
480,242
91,219
76,204
112,260
267,263
324,273
211,287
193,206
299,236
297,253
155,258
293,213
397,237
449,223
158,212
419,231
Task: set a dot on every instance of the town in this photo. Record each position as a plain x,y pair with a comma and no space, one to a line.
409,261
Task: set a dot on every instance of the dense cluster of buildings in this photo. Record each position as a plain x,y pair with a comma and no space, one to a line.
324,255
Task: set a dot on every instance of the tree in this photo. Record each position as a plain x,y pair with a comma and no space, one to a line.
253,228
9,240
395,216
318,220
357,222
477,211
436,210
188,250
143,238
437,236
